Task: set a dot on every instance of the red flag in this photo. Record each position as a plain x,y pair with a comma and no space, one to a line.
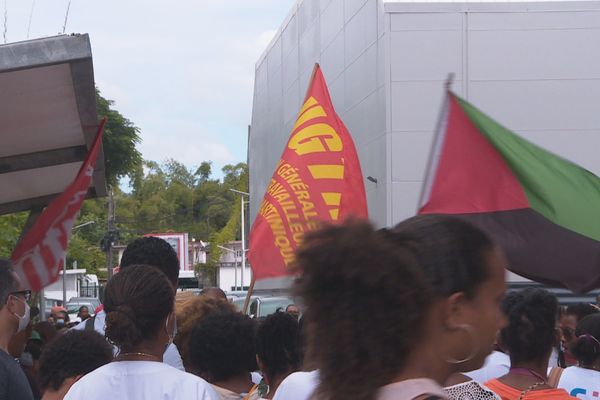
37,258
318,179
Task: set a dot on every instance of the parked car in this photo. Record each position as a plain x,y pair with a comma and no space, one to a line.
239,302
73,306
263,306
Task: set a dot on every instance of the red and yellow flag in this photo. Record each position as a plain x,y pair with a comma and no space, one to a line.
318,179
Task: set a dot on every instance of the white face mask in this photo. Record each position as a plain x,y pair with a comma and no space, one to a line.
23,319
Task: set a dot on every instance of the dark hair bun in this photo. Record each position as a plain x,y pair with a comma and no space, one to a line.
121,328
586,348
137,301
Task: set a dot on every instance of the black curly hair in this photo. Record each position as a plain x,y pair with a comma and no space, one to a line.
531,330
137,302
277,345
581,310
367,294
150,250
586,349
222,346
72,354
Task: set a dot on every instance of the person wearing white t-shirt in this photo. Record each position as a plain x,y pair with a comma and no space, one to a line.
153,251
297,386
583,381
140,320
170,357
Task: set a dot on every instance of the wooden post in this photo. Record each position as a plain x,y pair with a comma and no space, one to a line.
249,295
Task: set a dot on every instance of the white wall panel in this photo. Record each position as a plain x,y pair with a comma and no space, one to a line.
290,68
351,7
332,22
289,35
534,54
425,21
361,77
331,56
410,155
540,104
426,55
309,48
415,105
361,31
291,102
405,200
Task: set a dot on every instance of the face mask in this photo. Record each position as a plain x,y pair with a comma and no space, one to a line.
23,319
60,322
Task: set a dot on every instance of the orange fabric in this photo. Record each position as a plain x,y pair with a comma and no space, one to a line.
509,393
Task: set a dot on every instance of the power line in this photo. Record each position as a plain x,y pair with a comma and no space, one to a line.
5,19
66,16
30,18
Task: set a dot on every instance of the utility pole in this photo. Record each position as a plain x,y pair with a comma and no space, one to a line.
110,236
243,226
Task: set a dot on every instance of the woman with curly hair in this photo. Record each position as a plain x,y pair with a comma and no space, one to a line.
222,351
391,314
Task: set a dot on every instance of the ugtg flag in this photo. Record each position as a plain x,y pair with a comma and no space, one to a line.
318,179
543,210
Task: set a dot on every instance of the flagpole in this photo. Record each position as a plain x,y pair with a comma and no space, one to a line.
438,128
249,295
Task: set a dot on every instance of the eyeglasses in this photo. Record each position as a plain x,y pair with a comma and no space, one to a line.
25,293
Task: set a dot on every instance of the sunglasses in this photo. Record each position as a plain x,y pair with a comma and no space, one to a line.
25,293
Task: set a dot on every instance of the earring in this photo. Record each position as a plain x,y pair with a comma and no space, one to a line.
474,339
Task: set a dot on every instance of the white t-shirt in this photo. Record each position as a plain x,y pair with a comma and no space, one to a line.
171,356
496,365
140,380
581,383
297,386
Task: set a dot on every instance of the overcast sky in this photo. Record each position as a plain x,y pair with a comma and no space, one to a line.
181,70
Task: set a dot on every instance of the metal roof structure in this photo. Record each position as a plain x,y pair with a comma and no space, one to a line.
48,120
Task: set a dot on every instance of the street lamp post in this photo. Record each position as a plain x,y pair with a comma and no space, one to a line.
64,274
243,223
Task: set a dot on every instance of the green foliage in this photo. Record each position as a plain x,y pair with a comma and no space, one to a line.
121,136
11,226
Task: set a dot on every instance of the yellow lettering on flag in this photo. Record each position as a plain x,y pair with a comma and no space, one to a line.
334,213
308,104
316,138
325,171
311,113
332,199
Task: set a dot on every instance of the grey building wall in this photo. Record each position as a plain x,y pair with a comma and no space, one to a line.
346,38
535,67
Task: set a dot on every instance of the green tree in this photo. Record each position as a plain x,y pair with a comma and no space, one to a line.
121,136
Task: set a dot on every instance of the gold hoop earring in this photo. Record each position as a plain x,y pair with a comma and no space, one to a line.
474,339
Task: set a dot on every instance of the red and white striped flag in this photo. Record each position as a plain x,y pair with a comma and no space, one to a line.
38,257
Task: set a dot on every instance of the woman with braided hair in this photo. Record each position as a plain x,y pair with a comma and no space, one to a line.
529,338
391,314
139,305
583,380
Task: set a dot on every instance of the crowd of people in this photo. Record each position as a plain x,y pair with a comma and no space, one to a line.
419,311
